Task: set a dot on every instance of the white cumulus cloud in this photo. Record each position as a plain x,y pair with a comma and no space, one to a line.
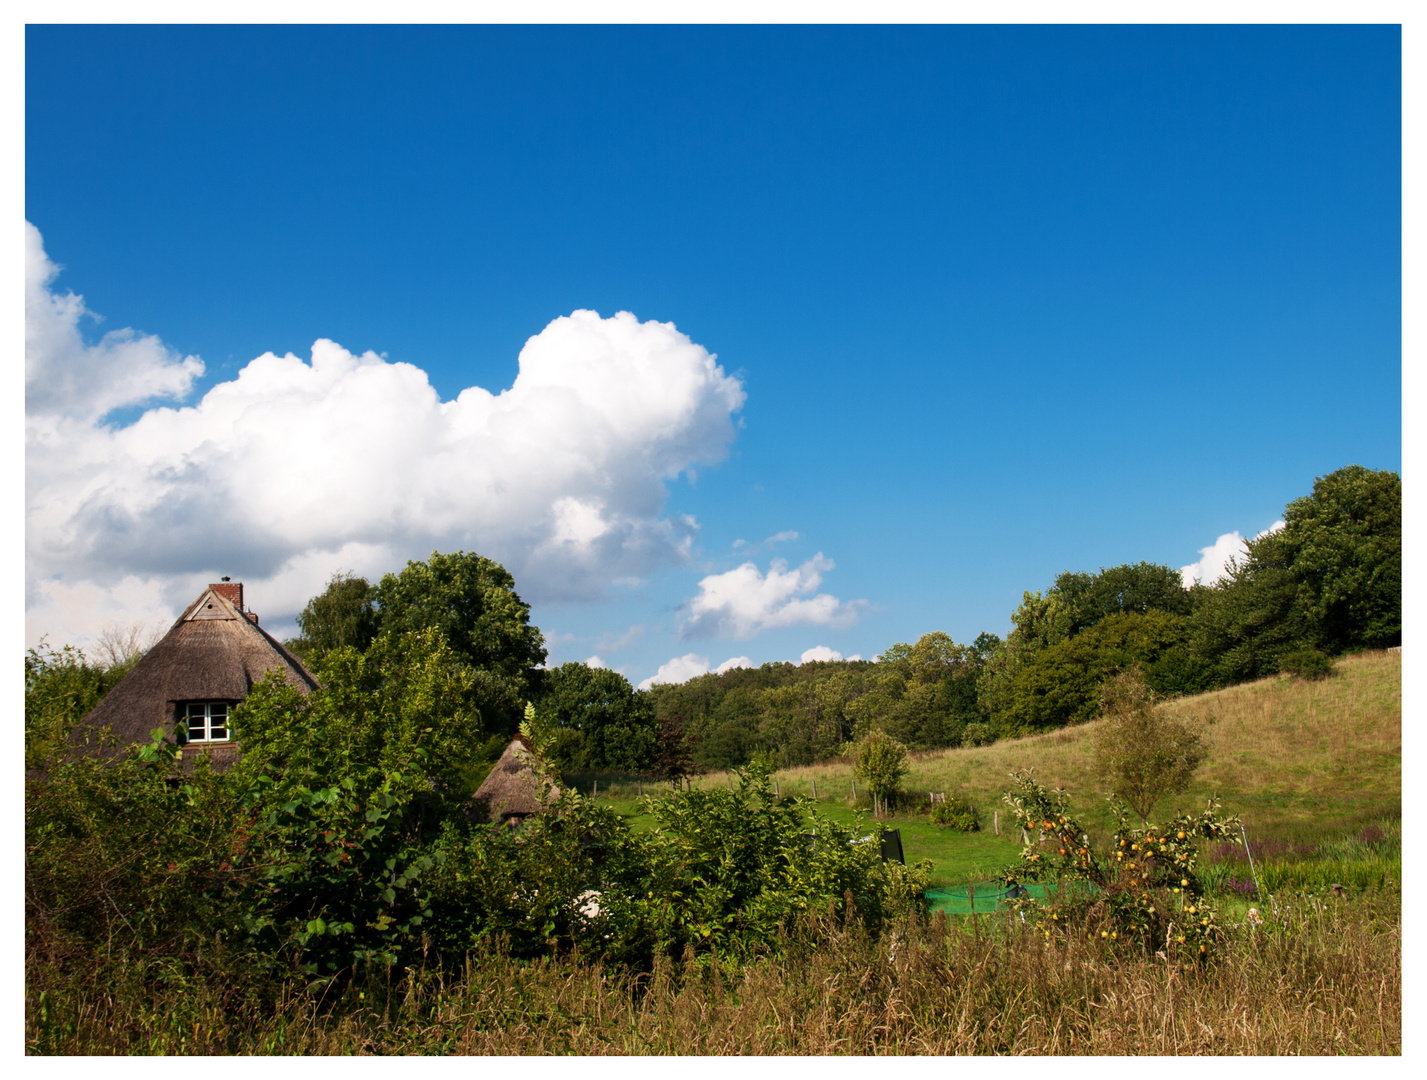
743,602
691,666
822,652
64,376
298,467
679,669
1214,560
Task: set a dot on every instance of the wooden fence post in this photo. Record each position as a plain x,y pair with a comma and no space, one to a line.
996,820
641,789
596,793
815,787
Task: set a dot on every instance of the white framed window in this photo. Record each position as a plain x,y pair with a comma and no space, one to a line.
207,720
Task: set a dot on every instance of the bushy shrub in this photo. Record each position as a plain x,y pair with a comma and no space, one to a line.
724,868
1145,893
978,735
121,857
61,686
1306,664
956,813
340,847
536,890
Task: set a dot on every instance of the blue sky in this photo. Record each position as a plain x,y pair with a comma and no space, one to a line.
988,303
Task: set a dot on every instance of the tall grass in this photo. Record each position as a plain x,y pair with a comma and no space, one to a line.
1369,859
1324,977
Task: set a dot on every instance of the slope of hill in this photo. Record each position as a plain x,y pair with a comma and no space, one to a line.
1298,761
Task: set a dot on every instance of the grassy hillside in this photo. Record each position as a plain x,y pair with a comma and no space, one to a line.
1300,762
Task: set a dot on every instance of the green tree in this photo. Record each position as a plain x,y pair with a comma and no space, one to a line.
881,762
1142,752
673,751
1076,602
407,705
343,614
790,725
604,724
1344,544
1128,588
1247,622
473,603
728,734
1061,686
61,687
933,697
1331,579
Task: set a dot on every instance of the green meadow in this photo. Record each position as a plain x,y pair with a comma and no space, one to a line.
1301,762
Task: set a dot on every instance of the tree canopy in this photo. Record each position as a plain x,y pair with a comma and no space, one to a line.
473,602
344,613
1330,579
594,720
1062,685
404,705
1344,544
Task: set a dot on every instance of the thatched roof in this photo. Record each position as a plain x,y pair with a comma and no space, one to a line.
517,786
214,652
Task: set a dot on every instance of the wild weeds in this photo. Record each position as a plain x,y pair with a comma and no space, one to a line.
1322,976
1370,858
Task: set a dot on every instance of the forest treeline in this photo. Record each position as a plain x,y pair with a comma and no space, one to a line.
1328,582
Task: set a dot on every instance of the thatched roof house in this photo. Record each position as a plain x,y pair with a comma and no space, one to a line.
517,787
200,669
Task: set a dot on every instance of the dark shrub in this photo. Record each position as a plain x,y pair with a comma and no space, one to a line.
956,813
1306,664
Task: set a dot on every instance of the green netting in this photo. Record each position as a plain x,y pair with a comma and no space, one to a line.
985,896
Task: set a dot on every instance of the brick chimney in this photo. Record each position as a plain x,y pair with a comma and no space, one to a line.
231,591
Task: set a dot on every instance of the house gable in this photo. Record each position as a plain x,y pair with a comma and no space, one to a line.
211,606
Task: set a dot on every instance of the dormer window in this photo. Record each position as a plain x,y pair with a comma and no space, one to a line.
207,720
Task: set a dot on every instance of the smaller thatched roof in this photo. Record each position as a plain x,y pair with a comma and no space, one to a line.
518,785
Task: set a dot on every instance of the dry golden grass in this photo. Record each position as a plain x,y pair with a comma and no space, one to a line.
1326,979
1291,757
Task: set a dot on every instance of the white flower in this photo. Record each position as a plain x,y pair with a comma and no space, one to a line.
589,902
